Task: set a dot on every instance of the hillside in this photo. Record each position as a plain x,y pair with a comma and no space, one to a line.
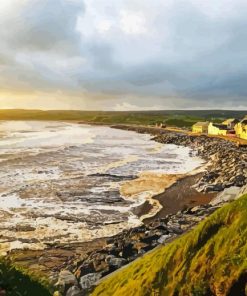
209,260
180,118
14,282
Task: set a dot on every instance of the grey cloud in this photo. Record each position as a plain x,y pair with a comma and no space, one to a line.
200,59
43,25
203,52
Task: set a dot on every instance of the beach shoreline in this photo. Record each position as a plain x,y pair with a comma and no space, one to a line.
177,199
58,256
51,260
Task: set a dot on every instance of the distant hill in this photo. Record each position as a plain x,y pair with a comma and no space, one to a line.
209,260
180,118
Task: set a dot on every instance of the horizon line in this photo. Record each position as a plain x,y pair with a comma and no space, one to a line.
139,110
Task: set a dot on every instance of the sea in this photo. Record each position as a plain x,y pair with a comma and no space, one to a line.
60,181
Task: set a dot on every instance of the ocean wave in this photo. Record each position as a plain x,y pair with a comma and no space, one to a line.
64,182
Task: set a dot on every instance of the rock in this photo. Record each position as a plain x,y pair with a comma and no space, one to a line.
127,250
240,180
140,246
175,230
116,262
115,251
74,291
100,266
227,195
150,238
160,226
89,280
163,238
84,268
216,187
66,278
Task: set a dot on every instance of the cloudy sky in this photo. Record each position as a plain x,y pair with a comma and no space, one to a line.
123,54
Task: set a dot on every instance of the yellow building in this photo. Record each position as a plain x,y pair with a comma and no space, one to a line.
231,122
241,129
217,129
200,127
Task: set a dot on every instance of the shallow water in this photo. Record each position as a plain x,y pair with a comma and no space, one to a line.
60,181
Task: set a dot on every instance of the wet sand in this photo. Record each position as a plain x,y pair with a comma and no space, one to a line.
181,195
148,185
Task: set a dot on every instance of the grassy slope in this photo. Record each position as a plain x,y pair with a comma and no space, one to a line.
16,282
209,260
180,118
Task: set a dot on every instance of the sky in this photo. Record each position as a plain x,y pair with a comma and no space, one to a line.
123,54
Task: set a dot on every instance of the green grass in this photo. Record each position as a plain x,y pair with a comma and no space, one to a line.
179,118
209,260
17,282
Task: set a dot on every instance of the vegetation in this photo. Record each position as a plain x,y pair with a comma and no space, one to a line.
180,118
209,260
16,282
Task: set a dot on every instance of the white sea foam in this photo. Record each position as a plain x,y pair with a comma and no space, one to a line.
46,180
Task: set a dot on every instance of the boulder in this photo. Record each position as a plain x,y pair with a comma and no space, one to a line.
150,238
216,187
66,278
89,280
240,180
84,268
127,250
163,238
100,266
74,291
116,262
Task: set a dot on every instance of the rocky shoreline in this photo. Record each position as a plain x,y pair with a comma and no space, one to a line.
81,277
226,162
226,171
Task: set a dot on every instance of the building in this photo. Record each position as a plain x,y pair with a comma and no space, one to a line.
241,129
231,122
160,125
200,127
218,129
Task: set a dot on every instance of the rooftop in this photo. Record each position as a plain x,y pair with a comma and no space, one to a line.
220,126
201,123
230,120
244,121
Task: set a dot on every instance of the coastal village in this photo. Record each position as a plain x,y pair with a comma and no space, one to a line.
231,127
